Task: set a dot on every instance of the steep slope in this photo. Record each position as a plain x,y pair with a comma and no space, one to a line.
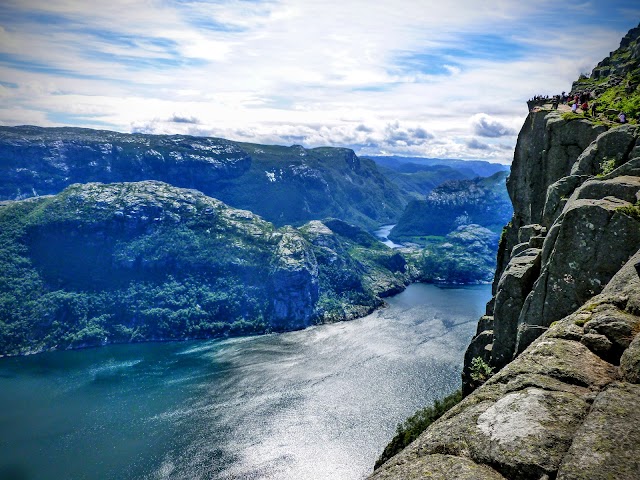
482,201
563,328
292,185
286,185
127,262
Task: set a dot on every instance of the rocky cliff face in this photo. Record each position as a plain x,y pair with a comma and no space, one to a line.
565,408
563,328
285,185
571,230
125,262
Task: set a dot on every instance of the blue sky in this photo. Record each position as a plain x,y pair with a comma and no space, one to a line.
405,77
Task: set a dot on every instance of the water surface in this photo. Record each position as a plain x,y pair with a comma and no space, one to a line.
320,403
383,233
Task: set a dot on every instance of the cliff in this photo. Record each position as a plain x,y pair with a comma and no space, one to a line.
127,262
481,201
563,327
284,185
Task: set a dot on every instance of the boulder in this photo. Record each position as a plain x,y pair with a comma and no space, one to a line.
515,284
594,240
607,444
438,467
623,187
613,145
526,232
630,362
485,323
557,195
519,248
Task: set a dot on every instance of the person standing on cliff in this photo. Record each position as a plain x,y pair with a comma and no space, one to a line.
574,107
593,109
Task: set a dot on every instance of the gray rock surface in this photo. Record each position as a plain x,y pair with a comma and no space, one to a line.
593,242
607,444
630,362
515,284
565,333
438,467
557,195
613,145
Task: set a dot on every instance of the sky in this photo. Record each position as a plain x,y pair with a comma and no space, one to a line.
439,79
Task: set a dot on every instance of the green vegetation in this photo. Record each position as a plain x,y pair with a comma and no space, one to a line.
607,166
568,116
632,211
466,255
480,371
624,97
413,426
132,262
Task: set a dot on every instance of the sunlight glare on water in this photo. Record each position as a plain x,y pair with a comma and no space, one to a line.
320,403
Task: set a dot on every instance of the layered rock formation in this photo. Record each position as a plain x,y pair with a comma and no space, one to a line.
563,328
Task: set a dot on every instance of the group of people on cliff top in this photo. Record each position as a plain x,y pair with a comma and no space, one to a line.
578,100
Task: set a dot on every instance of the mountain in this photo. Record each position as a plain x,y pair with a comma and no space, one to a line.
285,185
128,262
470,168
417,181
292,185
562,332
466,255
482,201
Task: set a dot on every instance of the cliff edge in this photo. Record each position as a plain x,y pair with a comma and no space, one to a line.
563,327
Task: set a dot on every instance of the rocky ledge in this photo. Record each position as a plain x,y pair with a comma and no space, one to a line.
566,408
562,330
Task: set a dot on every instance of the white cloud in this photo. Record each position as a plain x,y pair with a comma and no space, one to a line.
283,71
486,126
476,144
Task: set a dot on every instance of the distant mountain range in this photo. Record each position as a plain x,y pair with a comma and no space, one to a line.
285,185
481,201
470,168
109,237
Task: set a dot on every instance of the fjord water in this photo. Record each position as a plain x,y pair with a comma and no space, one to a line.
383,235
320,403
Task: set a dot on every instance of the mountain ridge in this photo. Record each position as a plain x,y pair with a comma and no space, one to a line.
139,261
285,185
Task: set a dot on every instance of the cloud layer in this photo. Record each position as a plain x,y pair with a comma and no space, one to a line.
438,79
